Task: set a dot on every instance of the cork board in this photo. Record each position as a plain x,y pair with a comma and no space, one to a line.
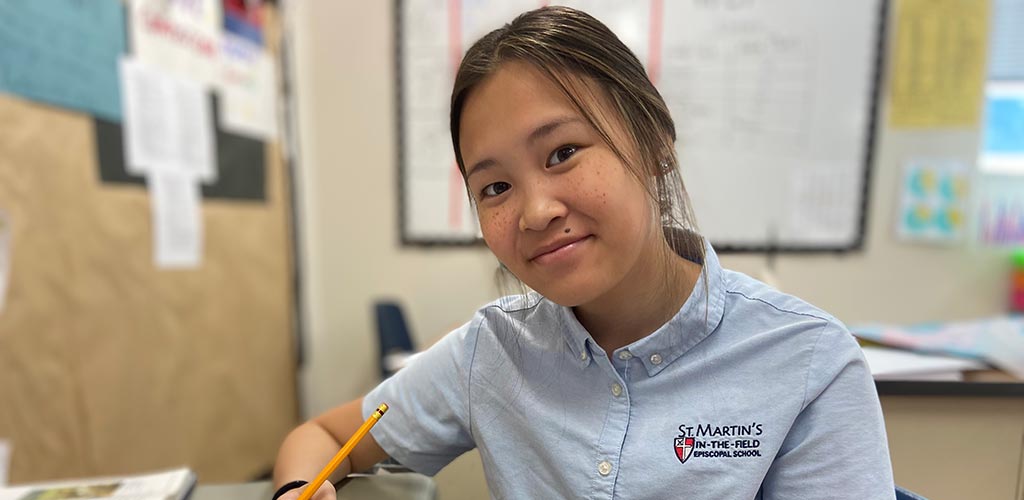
109,365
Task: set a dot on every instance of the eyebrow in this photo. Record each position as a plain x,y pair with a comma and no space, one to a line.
536,135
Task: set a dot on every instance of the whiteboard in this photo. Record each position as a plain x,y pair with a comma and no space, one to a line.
774,103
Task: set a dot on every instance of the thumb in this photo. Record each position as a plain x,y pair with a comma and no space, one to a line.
325,492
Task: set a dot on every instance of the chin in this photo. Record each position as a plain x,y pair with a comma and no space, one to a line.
568,295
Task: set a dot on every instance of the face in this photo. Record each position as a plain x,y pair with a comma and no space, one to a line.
556,205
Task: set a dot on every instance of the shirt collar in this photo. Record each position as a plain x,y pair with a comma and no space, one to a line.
696,320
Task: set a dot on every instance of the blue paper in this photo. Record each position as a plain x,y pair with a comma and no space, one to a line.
1004,127
63,52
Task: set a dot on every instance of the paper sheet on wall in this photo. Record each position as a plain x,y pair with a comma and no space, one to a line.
938,69
5,258
179,36
5,461
1003,144
1001,210
63,52
167,123
934,201
177,220
248,90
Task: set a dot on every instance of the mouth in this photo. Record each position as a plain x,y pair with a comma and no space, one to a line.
558,248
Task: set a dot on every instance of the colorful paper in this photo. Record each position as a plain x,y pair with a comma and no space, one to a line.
63,52
1001,210
1003,144
999,341
182,37
934,201
938,69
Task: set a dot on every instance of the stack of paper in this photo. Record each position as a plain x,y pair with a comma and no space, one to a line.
895,364
998,341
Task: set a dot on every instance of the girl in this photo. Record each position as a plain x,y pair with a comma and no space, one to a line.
638,367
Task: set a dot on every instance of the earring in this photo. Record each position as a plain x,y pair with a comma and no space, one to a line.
665,166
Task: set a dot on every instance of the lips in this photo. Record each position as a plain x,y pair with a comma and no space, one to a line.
555,246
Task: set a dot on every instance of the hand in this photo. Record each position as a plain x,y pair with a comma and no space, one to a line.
326,492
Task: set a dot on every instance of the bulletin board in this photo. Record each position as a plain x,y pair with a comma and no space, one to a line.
109,363
774,103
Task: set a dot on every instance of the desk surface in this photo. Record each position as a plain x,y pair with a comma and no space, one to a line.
404,486
985,383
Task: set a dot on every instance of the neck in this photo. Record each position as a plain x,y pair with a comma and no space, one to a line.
647,299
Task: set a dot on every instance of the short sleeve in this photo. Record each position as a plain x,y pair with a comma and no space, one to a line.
837,445
427,423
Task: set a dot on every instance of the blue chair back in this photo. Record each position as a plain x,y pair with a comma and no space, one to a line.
904,494
392,332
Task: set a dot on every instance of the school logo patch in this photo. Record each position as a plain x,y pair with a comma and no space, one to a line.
684,448
718,441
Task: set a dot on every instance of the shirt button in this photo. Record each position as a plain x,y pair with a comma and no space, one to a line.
625,355
655,359
616,389
604,468
583,356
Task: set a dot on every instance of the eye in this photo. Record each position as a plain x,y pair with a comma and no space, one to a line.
496,188
561,154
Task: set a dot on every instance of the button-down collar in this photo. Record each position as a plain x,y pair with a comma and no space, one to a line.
699,316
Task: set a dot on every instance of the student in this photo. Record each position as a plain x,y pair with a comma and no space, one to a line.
638,368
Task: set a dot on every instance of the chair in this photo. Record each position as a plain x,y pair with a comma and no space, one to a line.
393,336
904,494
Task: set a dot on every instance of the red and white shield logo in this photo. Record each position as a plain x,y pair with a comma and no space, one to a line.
684,448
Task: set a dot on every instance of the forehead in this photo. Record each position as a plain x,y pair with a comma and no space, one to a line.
509,102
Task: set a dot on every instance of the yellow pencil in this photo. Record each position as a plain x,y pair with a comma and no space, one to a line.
343,452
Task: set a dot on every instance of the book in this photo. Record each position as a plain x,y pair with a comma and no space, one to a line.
176,484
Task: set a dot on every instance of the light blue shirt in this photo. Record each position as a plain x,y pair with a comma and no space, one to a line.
746,393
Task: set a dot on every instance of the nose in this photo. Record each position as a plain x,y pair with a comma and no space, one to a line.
540,209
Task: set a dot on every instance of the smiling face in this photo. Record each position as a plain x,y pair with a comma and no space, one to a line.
556,205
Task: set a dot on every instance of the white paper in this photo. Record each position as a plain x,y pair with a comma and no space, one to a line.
167,122
5,461
5,273
177,220
179,36
895,364
248,90
150,486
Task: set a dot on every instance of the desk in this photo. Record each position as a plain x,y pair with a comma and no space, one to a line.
957,439
985,383
404,486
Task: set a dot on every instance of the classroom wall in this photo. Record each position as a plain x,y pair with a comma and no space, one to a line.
351,252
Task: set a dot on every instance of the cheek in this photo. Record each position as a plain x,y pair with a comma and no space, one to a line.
497,225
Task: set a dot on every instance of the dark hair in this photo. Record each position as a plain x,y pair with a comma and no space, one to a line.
582,56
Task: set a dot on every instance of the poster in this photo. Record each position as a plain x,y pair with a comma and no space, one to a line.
934,199
182,37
